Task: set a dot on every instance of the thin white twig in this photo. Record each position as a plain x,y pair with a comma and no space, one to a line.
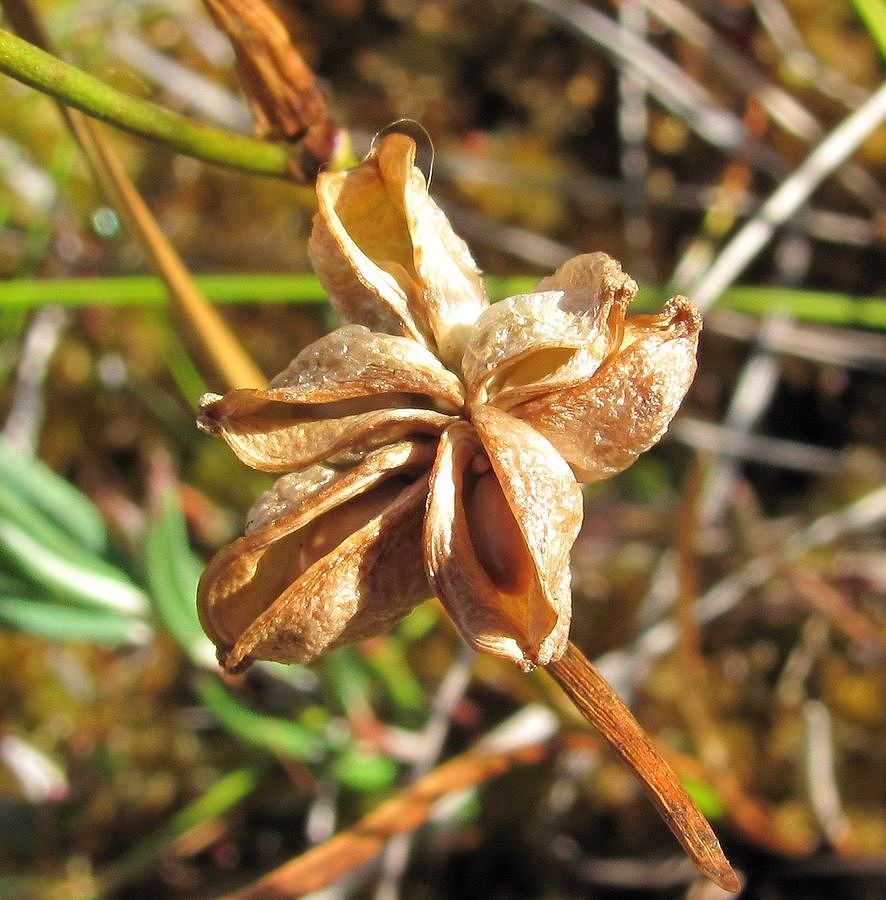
25,419
671,86
518,242
753,392
799,61
633,124
596,196
843,347
781,106
41,779
778,103
821,780
201,94
787,199
452,688
735,444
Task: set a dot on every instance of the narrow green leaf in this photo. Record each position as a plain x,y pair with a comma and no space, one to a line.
389,663
11,584
222,796
183,369
708,799
419,623
17,510
348,677
69,578
364,772
873,14
19,517
32,480
58,622
808,306
844,310
52,534
814,306
144,290
172,571
277,735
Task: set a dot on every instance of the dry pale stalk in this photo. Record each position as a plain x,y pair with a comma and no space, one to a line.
282,91
434,444
221,348
603,708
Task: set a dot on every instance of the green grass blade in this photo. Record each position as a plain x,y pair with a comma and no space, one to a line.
364,772
389,663
51,534
348,678
813,306
17,510
172,572
809,306
873,14
288,739
145,290
64,577
32,480
226,793
58,622
184,371
707,798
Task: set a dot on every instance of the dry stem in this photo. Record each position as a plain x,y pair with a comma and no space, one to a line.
604,709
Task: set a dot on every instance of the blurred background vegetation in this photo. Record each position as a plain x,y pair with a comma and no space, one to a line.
653,131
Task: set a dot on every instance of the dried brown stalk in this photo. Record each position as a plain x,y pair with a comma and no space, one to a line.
327,863
217,341
604,709
281,89
840,613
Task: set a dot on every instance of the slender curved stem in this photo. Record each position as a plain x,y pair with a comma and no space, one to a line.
73,87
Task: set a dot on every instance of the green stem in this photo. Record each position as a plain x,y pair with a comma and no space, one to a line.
143,290
46,73
873,14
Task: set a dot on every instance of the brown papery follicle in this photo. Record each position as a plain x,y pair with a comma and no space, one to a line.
496,537
327,532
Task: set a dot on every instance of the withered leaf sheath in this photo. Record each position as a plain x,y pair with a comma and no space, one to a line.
433,444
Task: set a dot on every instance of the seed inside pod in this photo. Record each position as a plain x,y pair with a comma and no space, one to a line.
496,537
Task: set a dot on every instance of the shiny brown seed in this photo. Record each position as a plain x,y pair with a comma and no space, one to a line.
496,537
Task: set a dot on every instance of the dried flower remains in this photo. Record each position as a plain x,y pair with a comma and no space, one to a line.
434,444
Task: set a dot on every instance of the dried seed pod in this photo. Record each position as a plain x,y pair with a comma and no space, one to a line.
601,424
328,560
559,333
503,513
388,256
435,445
